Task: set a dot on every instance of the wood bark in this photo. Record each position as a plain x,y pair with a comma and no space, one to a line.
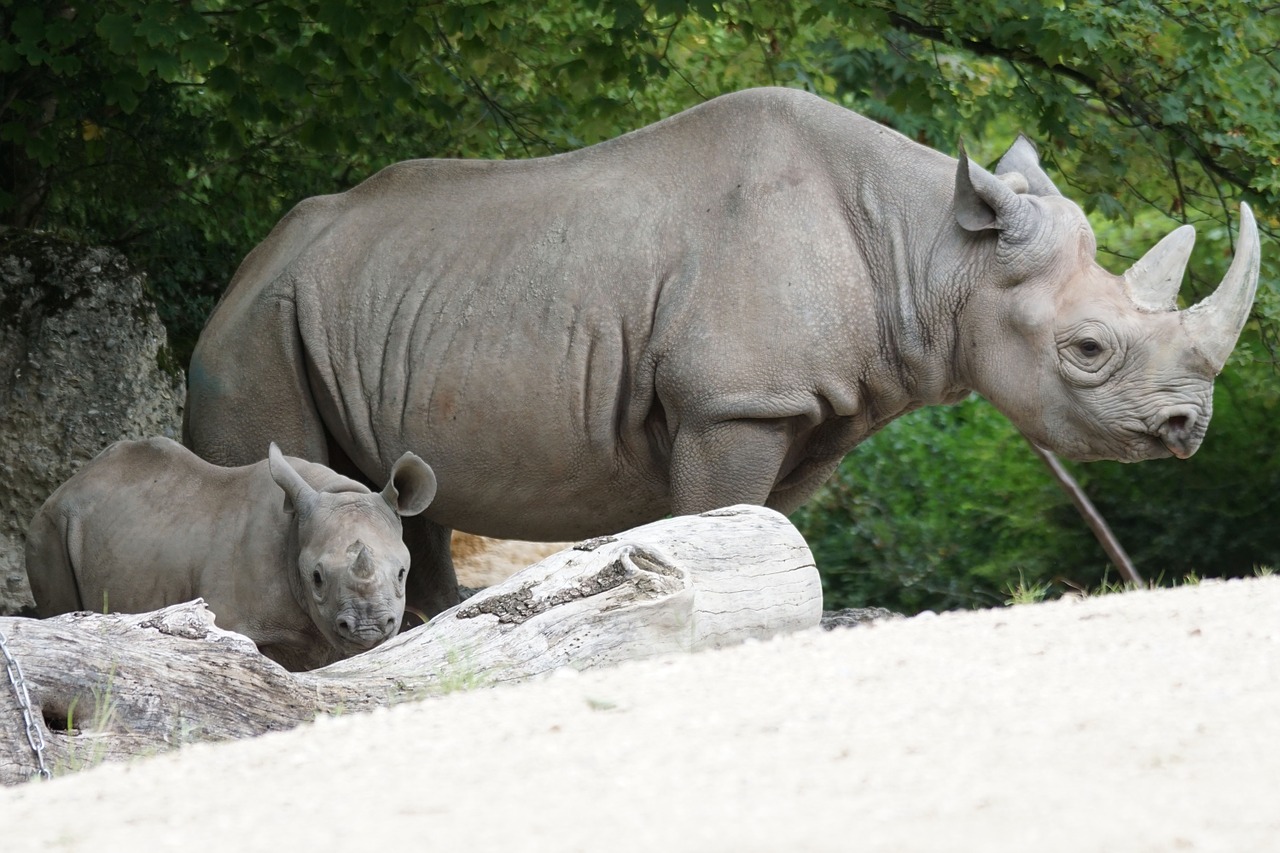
107,687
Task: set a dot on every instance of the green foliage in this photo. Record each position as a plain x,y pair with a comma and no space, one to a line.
181,132
1023,592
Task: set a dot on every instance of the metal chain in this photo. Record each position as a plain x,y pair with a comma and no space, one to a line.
35,736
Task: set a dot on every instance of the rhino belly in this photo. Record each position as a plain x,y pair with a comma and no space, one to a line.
532,443
535,465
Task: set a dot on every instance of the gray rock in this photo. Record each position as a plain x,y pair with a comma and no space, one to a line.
851,617
83,362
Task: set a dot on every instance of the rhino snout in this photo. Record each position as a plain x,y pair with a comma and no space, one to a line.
1180,429
365,632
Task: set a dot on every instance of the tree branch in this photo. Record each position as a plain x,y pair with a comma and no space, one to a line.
1093,518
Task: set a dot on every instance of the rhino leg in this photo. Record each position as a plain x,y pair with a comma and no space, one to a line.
238,402
53,549
731,462
432,586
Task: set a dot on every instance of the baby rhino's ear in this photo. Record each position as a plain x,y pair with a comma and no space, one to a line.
412,486
298,494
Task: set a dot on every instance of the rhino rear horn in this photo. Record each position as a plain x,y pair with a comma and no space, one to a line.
1214,323
298,494
1154,280
412,486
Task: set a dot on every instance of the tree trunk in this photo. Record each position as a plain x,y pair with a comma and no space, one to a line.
104,687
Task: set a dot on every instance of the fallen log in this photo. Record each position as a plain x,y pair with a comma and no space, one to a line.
108,687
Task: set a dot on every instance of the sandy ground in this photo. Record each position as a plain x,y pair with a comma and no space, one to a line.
1135,722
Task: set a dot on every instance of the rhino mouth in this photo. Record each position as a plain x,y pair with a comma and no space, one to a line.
1177,436
351,647
1133,446
1143,446
1160,449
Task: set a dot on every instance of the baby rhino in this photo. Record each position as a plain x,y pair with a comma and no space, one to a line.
312,576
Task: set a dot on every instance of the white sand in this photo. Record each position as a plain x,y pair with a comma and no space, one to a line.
1144,721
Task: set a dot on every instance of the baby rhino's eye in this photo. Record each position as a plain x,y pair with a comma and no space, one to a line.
1090,347
400,577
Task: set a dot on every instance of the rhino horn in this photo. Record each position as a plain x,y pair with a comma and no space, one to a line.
362,568
1153,281
1215,322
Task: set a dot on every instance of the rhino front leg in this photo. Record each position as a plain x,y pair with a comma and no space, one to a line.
726,463
431,586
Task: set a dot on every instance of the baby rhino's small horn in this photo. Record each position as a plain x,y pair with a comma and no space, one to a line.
363,566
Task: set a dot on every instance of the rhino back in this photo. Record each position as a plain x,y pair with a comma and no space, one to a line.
511,321
156,525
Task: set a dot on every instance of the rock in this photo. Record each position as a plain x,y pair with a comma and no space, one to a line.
851,617
83,363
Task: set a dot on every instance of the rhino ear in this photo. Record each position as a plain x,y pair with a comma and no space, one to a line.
985,202
412,486
298,494
1023,159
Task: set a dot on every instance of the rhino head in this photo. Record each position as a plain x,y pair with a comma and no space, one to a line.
1088,364
351,557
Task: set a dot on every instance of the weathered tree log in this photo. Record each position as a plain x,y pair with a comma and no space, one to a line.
106,687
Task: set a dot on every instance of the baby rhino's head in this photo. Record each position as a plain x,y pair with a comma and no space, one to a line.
352,561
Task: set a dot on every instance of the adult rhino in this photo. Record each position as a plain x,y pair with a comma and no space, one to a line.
711,310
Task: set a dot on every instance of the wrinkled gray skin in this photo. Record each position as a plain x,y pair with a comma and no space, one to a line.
711,310
308,564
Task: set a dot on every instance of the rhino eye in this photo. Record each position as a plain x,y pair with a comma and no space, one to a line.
1090,353
317,579
400,577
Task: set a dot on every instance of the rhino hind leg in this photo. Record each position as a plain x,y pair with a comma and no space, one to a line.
52,552
432,586
238,402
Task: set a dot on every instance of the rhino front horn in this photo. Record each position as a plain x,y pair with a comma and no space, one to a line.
1214,323
362,568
